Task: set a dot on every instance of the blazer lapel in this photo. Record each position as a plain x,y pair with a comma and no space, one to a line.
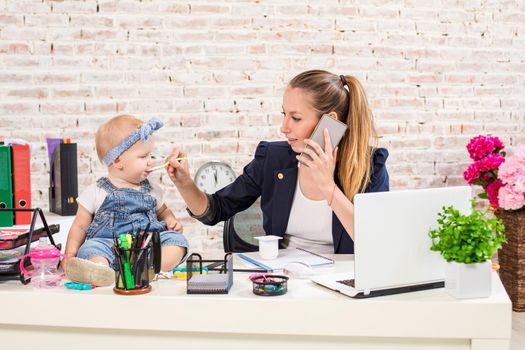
286,180
337,226
337,231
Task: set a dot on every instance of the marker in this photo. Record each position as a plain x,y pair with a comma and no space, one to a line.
128,277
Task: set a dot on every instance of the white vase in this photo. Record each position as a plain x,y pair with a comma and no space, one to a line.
468,280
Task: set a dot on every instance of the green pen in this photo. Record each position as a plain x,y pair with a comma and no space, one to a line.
128,277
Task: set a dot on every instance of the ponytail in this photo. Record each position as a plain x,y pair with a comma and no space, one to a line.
356,148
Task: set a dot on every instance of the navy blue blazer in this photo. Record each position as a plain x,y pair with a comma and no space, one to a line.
272,175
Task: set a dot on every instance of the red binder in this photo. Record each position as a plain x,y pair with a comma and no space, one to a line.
21,182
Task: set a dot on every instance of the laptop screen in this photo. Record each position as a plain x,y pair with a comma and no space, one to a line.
392,246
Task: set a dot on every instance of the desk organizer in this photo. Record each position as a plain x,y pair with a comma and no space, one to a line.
269,285
13,238
198,282
132,260
131,275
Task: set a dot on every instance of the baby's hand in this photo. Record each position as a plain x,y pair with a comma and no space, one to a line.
174,225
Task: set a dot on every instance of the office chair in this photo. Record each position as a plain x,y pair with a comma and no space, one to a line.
240,229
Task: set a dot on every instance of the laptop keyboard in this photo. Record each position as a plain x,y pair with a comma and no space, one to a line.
350,282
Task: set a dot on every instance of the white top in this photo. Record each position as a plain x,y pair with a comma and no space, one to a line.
93,196
309,225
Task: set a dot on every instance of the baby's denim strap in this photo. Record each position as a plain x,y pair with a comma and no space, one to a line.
106,185
145,186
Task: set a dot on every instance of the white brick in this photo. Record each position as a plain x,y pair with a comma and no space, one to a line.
61,107
68,7
12,78
11,19
24,93
56,78
15,48
82,20
14,32
239,9
28,6
48,20
18,108
201,9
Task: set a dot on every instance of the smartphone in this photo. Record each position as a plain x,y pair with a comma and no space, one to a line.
336,130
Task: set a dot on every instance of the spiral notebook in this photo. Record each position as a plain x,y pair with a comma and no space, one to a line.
210,283
285,257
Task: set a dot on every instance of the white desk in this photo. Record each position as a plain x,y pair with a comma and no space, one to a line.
307,317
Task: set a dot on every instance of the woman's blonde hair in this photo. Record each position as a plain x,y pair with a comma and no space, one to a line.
110,134
346,96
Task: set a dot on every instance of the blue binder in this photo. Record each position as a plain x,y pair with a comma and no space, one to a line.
6,186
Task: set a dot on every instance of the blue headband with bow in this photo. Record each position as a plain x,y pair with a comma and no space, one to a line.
141,133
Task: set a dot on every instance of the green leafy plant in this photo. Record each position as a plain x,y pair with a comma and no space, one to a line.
467,238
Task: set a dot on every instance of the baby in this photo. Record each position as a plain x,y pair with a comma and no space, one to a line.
123,202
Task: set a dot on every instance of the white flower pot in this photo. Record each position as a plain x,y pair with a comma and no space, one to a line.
468,280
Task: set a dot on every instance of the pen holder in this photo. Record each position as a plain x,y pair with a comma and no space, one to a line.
131,276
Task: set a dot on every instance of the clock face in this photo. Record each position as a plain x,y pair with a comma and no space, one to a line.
213,176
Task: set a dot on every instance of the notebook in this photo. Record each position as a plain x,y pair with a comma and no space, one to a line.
211,283
14,237
285,257
392,247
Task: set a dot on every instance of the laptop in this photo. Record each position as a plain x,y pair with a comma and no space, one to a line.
391,246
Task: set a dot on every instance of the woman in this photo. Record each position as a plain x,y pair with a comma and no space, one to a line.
308,201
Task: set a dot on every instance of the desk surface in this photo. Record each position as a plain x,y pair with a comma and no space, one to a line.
307,316
306,310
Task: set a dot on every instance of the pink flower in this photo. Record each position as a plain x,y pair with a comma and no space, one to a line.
472,173
509,198
490,162
503,180
519,154
520,183
481,146
512,170
492,192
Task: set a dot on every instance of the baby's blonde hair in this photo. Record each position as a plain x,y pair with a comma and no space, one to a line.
113,132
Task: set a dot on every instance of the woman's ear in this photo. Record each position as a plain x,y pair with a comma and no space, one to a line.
333,114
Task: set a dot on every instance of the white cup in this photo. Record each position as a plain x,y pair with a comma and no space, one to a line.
268,246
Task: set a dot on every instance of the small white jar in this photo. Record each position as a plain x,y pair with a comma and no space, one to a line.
268,246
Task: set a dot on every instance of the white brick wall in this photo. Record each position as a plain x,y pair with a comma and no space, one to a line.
437,72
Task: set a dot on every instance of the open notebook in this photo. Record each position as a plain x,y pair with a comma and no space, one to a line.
285,257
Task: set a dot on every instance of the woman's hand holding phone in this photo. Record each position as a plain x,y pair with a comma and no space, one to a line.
320,153
321,162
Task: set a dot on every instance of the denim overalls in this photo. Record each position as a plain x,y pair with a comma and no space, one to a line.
124,210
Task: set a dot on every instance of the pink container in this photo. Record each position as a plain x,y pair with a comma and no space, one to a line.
44,258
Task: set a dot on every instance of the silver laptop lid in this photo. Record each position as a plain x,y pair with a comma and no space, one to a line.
392,246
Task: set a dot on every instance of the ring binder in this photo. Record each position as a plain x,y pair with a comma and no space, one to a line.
63,180
6,186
